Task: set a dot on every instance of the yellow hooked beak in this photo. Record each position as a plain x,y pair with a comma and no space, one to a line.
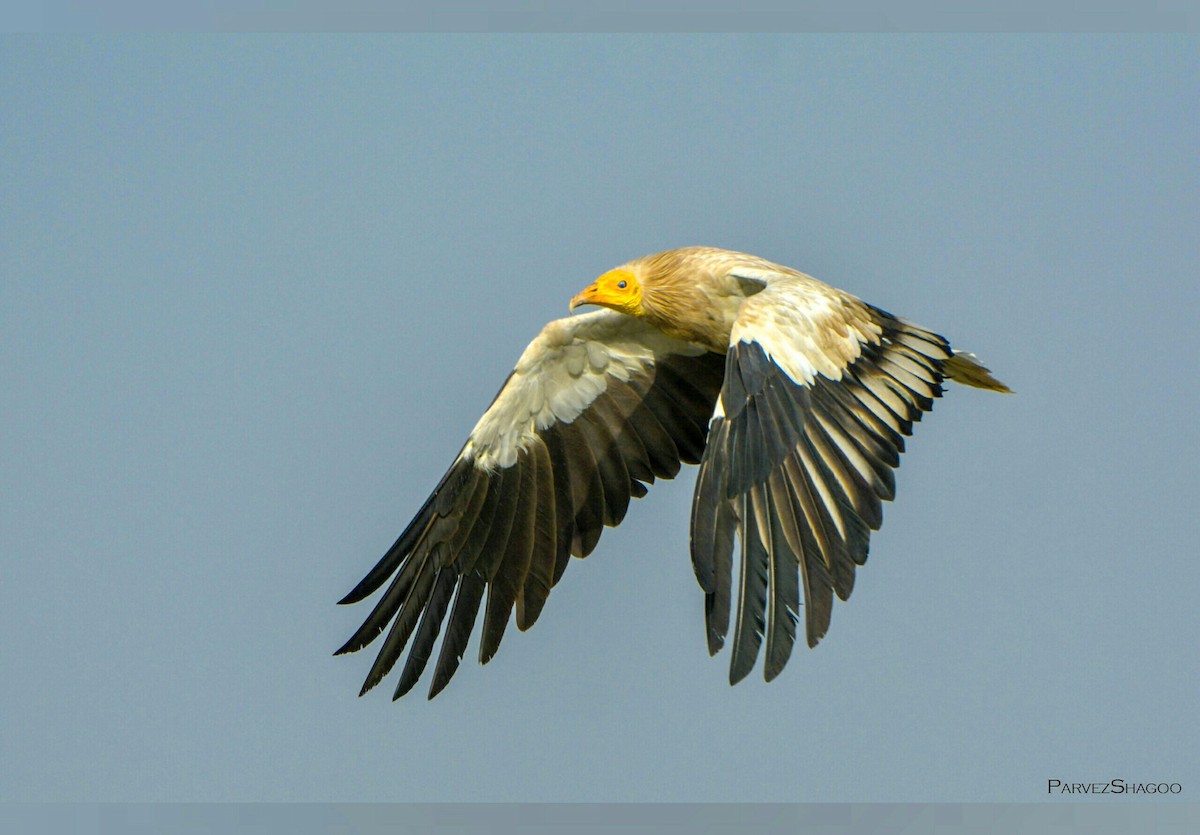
589,296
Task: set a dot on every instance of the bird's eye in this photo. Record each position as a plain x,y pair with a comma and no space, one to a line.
621,284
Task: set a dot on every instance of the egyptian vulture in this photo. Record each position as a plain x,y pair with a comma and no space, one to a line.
792,396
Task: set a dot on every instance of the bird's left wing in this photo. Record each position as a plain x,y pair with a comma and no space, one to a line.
598,406
819,390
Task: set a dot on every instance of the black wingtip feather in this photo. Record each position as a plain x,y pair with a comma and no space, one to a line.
403,625
717,603
458,630
427,632
752,598
784,586
510,563
539,577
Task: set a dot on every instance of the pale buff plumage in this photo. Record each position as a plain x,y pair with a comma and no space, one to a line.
808,389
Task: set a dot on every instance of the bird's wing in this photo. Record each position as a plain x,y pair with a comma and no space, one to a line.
819,391
598,406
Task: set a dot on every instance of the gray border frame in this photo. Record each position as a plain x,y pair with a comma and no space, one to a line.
611,16
368,819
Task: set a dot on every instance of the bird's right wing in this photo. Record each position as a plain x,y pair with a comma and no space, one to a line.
598,406
819,390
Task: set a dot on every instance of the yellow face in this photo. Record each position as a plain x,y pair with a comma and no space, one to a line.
616,289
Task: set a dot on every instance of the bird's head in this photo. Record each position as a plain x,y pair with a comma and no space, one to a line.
617,289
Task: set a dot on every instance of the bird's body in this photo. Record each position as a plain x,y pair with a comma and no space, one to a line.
793,396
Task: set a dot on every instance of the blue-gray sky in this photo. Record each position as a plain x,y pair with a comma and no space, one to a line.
254,292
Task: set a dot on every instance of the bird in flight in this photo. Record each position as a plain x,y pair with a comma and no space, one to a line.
792,396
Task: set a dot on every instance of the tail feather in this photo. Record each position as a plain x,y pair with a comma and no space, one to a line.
965,368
